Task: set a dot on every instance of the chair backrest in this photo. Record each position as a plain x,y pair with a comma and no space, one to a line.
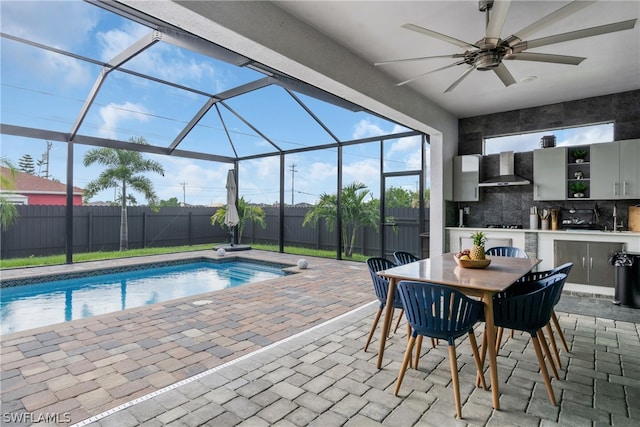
438,311
531,311
403,257
380,284
506,251
534,276
564,269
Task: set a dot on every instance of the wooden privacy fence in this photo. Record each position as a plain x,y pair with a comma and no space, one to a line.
40,230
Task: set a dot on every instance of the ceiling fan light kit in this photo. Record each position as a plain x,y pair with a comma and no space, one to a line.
488,60
489,53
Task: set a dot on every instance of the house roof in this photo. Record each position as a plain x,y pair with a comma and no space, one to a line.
26,183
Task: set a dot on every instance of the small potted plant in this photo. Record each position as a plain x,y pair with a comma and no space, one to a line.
579,154
578,188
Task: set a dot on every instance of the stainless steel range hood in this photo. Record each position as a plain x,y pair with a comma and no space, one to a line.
507,176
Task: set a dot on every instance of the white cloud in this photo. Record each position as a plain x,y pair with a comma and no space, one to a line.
65,70
364,129
366,171
114,41
204,182
402,145
161,60
41,22
587,135
49,23
113,115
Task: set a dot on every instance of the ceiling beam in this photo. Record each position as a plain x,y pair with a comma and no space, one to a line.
130,52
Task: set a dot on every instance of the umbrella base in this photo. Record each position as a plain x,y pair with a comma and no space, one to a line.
234,248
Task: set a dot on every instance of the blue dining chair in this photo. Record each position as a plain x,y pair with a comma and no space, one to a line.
531,278
526,284
530,312
440,312
381,288
510,251
565,269
403,257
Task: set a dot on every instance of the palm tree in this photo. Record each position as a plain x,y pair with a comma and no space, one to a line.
123,169
8,211
356,213
246,212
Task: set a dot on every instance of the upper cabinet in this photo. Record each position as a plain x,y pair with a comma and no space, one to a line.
549,174
466,177
606,171
615,173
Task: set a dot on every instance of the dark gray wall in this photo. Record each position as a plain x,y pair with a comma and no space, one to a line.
510,205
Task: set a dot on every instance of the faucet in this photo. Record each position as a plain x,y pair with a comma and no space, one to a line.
615,219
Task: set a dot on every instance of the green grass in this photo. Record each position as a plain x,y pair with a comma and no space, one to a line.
96,256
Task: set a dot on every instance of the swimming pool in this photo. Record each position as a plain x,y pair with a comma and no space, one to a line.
32,305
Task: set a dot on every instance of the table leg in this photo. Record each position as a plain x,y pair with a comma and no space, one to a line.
388,317
491,348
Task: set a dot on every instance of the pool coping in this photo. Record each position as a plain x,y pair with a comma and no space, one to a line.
42,278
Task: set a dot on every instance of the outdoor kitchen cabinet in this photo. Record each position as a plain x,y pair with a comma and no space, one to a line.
466,177
590,261
606,160
550,173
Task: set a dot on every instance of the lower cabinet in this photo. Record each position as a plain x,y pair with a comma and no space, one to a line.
590,261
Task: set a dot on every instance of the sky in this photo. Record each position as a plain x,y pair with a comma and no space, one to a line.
45,90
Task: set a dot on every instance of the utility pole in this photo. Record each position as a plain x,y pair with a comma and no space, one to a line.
184,202
44,161
293,170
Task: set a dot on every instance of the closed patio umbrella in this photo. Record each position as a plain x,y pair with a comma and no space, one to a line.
231,217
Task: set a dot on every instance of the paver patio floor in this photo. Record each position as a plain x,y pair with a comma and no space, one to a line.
289,352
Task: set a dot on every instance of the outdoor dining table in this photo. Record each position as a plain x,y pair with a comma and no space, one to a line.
483,283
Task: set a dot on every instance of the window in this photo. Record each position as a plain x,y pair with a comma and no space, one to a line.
583,135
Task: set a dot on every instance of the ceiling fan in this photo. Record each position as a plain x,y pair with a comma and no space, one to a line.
489,52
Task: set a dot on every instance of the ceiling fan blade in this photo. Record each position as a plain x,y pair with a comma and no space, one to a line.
496,22
395,61
461,78
429,72
547,57
504,75
439,36
574,35
563,12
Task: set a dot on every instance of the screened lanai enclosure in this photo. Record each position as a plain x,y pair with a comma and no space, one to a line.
78,76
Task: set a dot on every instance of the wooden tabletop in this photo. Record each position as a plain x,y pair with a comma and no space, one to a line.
442,269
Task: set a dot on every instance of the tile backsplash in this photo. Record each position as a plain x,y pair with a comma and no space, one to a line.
511,205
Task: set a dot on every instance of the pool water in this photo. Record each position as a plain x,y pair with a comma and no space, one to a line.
30,306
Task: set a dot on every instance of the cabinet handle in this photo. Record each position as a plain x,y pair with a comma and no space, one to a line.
624,188
475,192
583,260
615,185
591,263
537,190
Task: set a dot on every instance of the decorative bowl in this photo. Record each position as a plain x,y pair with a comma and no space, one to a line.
473,263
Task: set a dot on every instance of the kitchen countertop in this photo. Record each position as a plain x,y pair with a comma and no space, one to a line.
560,231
